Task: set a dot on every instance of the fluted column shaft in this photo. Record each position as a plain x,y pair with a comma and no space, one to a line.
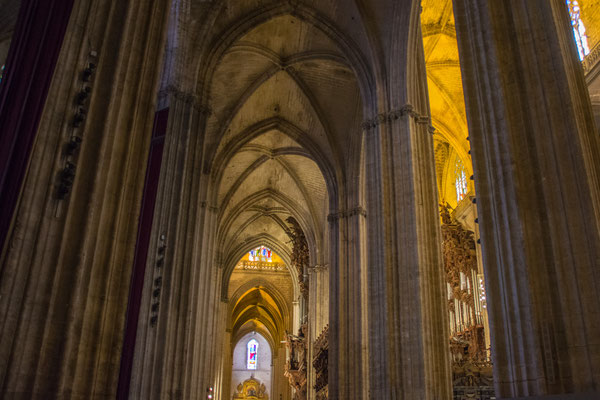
347,354
65,284
408,322
178,356
536,159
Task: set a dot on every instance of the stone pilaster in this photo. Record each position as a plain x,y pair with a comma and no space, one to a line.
281,385
66,283
348,361
536,159
177,355
318,314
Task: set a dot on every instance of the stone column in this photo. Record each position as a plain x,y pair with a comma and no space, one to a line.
38,36
348,376
536,159
224,389
178,355
312,329
281,385
407,312
65,278
408,322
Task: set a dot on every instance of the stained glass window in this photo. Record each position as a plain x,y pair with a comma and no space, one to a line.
252,354
461,181
578,29
261,253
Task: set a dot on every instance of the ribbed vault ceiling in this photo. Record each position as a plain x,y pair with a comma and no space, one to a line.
258,305
284,102
259,308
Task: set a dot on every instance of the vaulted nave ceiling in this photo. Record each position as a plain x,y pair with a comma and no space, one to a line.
284,83
284,102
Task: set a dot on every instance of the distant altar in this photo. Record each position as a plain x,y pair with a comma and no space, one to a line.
251,389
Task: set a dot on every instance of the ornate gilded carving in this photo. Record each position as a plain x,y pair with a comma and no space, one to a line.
299,253
251,389
471,366
320,360
261,266
296,366
460,266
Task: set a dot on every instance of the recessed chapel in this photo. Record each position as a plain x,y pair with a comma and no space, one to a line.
300,199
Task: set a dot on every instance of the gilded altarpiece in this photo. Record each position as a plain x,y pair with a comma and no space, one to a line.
471,366
251,389
296,366
300,256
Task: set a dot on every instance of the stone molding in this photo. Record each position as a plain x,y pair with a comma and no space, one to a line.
187,98
210,208
393,115
318,267
591,60
348,213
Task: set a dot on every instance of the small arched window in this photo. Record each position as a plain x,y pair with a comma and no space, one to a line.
460,180
252,358
578,29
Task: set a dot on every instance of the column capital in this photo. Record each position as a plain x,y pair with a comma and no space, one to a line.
359,210
211,208
406,110
186,97
317,268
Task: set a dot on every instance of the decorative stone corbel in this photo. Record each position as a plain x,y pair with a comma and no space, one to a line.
393,115
317,267
359,210
188,98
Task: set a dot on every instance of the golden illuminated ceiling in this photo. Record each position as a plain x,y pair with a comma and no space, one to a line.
590,15
445,86
445,93
261,308
258,305
260,298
